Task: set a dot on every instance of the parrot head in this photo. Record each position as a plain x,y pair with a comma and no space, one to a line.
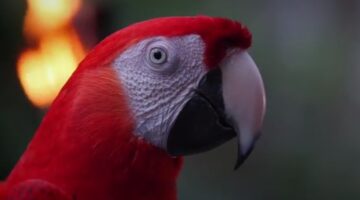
190,84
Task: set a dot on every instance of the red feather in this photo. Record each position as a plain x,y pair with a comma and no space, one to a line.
86,146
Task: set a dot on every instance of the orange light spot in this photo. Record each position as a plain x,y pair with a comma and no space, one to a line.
45,69
44,16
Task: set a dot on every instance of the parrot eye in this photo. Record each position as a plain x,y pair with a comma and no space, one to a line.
161,56
158,55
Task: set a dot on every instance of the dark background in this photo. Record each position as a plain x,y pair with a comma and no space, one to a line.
309,55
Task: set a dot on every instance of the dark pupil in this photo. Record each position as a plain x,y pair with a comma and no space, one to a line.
157,55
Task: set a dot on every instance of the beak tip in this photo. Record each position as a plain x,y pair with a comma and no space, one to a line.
238,163
243,154
242,157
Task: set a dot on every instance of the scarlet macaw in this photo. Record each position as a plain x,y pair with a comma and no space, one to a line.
141,99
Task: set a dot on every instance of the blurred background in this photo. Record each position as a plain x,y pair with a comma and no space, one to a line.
309,56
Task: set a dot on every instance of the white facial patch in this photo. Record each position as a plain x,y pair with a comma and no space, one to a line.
159,75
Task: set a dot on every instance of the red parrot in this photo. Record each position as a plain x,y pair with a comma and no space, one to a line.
142,98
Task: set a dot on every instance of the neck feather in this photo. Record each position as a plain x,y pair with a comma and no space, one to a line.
86,145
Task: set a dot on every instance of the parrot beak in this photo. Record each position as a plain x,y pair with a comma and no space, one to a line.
228,102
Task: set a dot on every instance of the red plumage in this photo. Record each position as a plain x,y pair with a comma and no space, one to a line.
217,33
85,147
